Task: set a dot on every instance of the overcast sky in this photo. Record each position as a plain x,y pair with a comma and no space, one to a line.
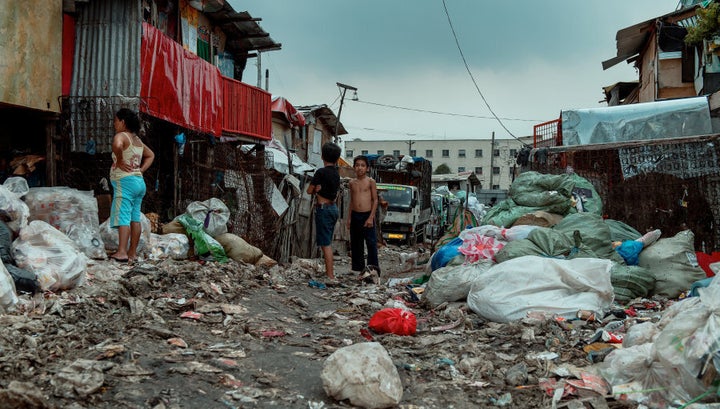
530,60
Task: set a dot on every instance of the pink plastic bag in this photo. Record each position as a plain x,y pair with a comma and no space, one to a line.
477,246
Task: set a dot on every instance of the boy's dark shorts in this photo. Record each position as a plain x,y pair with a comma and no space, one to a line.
326,216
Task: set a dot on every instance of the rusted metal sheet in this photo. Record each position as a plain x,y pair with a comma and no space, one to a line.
31,53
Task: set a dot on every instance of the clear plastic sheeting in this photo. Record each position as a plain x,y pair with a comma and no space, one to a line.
51,255
111,238
14,208
650,120
168,246
71,211
8,296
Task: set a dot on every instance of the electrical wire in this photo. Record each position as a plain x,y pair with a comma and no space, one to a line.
467,67
444,113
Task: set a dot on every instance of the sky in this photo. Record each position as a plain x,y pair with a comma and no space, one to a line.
527,60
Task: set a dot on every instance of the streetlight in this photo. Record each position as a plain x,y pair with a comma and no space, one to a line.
345,88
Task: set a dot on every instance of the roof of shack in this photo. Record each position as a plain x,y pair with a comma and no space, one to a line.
244,31
631,40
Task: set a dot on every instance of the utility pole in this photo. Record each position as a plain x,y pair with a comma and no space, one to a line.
492,159
410,144
345,88
259,70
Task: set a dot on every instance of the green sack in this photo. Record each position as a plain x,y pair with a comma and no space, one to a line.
204,243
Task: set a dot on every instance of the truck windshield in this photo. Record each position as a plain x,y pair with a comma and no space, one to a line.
396,196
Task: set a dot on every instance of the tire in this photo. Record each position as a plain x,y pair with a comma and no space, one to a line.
387,161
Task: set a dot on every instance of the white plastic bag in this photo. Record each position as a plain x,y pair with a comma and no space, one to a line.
110,237
171,245
212,213
511,289
8,295
52,256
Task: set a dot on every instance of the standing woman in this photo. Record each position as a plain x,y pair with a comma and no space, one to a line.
130,159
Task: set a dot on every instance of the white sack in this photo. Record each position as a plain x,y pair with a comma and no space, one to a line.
364,374
212,213
509,290
111,238
452,283
55,259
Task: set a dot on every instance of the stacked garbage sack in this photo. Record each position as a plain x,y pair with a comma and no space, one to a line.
548,249
49,235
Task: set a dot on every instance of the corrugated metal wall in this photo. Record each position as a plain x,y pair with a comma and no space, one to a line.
106,74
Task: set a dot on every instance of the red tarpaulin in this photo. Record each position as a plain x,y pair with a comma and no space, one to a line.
284,106
68,52
179,86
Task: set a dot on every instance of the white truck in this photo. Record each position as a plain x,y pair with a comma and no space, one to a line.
405,183
406,215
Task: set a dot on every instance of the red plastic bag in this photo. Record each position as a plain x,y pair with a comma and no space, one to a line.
393,320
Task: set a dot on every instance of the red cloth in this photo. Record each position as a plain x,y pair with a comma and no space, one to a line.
395,321
704,260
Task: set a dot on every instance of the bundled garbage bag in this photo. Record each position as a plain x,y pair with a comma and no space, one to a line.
585,196
213,215
594,231
17,185
677,362
620,231
25,281
8,296
111,238
55,259
205,246
363,374
446,253
14,209
453,283
238,249
393,321
509,290
168,246
674,263
630,282
71,211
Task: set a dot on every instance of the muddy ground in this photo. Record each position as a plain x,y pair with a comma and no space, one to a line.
181,334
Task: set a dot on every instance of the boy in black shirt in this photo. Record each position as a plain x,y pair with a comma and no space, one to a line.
325,184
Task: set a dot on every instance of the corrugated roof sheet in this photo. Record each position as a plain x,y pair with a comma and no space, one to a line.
631,40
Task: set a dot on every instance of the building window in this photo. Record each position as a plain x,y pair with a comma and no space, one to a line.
496,170
478,153
413,152
513,153
496,187
349,153
381,152
428,153
446,153
478,170
363,152
461,169
396,153
496,152
461,153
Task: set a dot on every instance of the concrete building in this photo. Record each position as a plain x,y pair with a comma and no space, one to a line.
493,165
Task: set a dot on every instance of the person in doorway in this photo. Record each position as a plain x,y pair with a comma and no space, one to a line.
361,220
325,185
131,157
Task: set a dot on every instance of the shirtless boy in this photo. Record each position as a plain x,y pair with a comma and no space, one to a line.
361,220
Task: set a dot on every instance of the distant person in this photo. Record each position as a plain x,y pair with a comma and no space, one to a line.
361,220
325,185
131,157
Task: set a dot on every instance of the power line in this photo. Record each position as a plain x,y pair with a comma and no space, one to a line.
445,113
467,67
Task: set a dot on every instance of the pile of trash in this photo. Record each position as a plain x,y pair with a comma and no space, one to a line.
547,250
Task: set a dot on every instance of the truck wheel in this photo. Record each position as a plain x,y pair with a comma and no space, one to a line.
387,161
